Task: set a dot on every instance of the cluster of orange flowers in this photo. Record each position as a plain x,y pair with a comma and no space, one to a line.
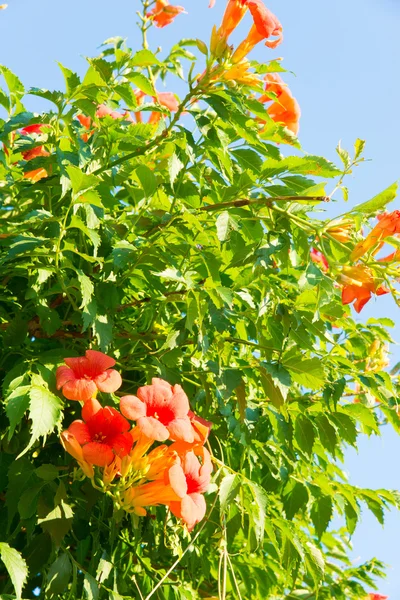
136,464
359,281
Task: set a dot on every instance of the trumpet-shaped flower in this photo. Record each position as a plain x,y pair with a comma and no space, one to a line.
72,446
377,597
103,434
388,224
83,376
170,488
234,13
164,13
192,507
160,410
266,26
359,284
285,109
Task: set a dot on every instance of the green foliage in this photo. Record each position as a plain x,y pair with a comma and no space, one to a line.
182,248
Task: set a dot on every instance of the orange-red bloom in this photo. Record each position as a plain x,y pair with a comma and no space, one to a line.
388,224
166,99
285,109
377,597
192,507
103,434
163,13
39,150
83,376
234,13
160,410
359,285
319,259
340,230
266,25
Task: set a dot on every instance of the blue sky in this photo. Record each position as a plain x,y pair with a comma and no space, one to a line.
343,55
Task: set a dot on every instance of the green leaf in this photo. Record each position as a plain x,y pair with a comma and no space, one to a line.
315,563
327,433
248,159
272,391
72,80
45,413
14,85
48,472
308,372
377,202
87,288
304,434
147,179
359,146
76,223
228,490
17,404
175,166
344,156
59,575
294,497
103,328
143,83
225,224
16,567
258,512
144,58
90,587
321,514
81,182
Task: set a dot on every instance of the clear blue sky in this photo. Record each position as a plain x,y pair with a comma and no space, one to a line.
343,54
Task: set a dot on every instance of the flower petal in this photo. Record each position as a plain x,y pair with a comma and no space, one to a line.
177,480
179,402
109,381
63,375
132,407
101,360
90,408
193,509
122,444
79,389
181,429
80,431
98,454
153,429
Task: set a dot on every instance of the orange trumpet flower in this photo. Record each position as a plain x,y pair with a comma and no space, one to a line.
266,25
359,285
388,224
163,13
285,109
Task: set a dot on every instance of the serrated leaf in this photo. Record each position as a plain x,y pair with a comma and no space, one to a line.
225,224
307,372
144,58
143,83
16,567
258,513
45,413
87,288
147,179
359,146
327,433
321,514
294,497
17,404
228,490
175,166
304,434
377,202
